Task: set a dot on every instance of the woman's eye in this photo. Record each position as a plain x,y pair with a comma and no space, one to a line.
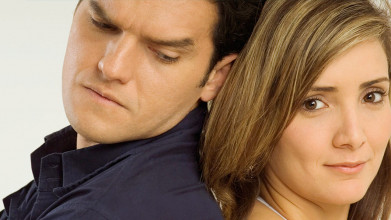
313,104
374,97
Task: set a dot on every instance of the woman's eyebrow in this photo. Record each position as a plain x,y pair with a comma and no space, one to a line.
362,85
369,83
324,89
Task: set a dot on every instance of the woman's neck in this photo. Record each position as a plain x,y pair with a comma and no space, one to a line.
293,206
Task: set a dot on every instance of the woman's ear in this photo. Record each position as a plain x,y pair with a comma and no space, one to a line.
217,77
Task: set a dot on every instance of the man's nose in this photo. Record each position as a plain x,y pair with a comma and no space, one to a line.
117,61
350,131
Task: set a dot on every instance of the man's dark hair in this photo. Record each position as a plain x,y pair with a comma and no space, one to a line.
236,20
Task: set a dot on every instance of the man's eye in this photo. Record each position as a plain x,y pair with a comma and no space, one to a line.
313,104
165,58
102,26
374,97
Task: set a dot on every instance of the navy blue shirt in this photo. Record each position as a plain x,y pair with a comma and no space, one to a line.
155,178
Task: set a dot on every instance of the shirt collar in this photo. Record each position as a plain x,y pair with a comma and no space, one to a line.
58,142
76,164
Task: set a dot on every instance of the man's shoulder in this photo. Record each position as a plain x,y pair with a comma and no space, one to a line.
136,188
137,202
19,204
128,211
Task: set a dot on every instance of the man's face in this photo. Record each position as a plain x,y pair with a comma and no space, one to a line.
132,69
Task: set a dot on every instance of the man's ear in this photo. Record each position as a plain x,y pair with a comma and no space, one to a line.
217,77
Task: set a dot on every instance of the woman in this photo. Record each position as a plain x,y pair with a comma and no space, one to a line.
301,130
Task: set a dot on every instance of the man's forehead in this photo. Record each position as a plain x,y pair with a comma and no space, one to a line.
173,9
171,18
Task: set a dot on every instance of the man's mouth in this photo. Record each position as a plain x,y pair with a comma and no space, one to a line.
103,96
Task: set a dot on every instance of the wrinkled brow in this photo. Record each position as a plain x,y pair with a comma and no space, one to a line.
185,43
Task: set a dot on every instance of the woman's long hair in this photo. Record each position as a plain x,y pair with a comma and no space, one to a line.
291,45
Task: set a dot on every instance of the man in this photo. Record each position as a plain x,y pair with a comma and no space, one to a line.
136,77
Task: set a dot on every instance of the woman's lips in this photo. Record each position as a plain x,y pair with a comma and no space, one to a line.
348,167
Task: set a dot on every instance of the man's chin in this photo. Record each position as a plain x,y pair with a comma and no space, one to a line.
89,137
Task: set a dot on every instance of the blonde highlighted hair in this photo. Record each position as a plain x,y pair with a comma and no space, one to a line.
292,43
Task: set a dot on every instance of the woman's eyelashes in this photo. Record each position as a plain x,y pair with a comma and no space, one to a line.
374,96
371,96
314,103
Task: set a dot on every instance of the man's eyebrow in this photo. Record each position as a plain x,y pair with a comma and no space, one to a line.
369,83
185,43
99,11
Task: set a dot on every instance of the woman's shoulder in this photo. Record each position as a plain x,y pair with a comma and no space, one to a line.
260,211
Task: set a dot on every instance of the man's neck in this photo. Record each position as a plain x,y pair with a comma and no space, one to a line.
83,142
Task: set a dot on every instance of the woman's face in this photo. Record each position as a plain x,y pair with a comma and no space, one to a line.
332,149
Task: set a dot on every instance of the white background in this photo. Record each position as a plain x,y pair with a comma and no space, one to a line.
33,38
